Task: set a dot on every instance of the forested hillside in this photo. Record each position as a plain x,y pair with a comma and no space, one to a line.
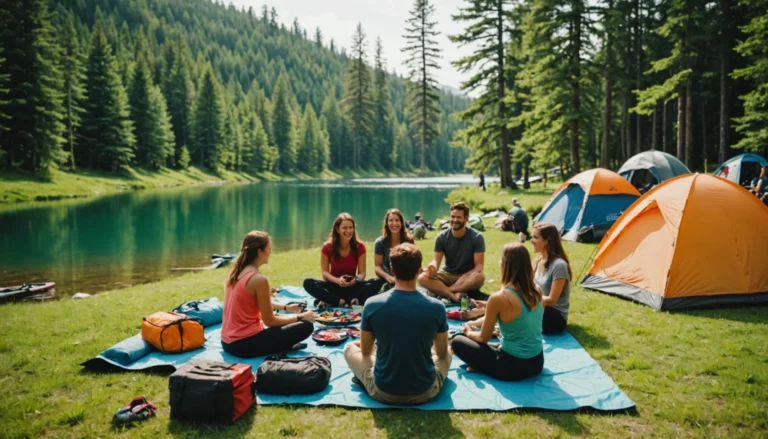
105,84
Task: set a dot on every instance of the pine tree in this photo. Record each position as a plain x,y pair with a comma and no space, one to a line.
73,69
678,68
138,96
283,125
422,62
383,138
159,131
208,124
357,100
334,123
556,74
32,134
178,91
488,25
106,130
754,124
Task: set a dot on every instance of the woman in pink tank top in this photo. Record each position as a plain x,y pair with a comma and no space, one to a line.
246,331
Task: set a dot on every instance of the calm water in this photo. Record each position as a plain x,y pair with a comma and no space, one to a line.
120,240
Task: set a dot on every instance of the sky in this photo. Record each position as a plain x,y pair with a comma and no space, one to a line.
337,20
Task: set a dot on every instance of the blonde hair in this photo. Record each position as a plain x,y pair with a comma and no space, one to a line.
253,242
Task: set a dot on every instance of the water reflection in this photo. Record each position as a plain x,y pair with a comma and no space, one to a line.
100,244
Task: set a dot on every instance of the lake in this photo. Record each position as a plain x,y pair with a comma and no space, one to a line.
130,238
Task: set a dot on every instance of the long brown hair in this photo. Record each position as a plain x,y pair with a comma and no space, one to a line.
405,236
517,270
549,233
253,242
335,237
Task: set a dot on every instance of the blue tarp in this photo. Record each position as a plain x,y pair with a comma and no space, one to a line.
571,379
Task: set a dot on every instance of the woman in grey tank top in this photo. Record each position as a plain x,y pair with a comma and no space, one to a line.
553,276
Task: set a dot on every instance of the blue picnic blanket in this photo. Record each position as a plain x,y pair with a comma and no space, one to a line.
571,379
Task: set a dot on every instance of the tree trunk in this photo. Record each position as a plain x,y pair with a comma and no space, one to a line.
655,128
527,173
638,73
681,124
624,122
608,94
689,122
575,79
501,77
725,81
70,133
704,146
628,125
664,126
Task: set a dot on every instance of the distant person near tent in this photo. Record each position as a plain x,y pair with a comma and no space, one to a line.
520,223
482,181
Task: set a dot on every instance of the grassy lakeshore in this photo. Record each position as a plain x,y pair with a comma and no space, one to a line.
692,374
20,186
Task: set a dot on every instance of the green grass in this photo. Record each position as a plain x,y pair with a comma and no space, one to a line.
19,186
692,374
495,198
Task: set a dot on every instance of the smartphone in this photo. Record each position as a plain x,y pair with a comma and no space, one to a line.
347,278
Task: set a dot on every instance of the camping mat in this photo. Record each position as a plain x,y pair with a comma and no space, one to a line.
571,379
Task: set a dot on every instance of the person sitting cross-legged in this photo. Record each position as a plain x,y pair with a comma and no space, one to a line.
464,251
410,359
518,309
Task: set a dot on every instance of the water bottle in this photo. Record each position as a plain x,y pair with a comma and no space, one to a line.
464,302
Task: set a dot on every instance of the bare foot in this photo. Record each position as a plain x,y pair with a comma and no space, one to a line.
342,303
354,302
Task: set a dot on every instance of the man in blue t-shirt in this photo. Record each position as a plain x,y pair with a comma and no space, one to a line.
464,251
410,359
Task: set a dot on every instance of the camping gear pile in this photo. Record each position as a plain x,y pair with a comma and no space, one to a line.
214,391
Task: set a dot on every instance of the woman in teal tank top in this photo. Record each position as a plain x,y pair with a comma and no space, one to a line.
519,311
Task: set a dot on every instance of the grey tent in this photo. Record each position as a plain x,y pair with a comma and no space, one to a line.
660,165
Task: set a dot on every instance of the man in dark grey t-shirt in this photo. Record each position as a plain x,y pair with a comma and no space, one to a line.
464,251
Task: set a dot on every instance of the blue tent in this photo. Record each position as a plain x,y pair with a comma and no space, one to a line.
587,205
660,165
742,168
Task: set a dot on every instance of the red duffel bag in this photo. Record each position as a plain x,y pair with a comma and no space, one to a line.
204,390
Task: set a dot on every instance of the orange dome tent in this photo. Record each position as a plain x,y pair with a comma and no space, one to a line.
584,207
694,241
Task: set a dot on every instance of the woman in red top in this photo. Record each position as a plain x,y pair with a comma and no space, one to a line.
246,331
342,262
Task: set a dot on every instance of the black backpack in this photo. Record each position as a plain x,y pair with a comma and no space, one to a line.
281,375
510,224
